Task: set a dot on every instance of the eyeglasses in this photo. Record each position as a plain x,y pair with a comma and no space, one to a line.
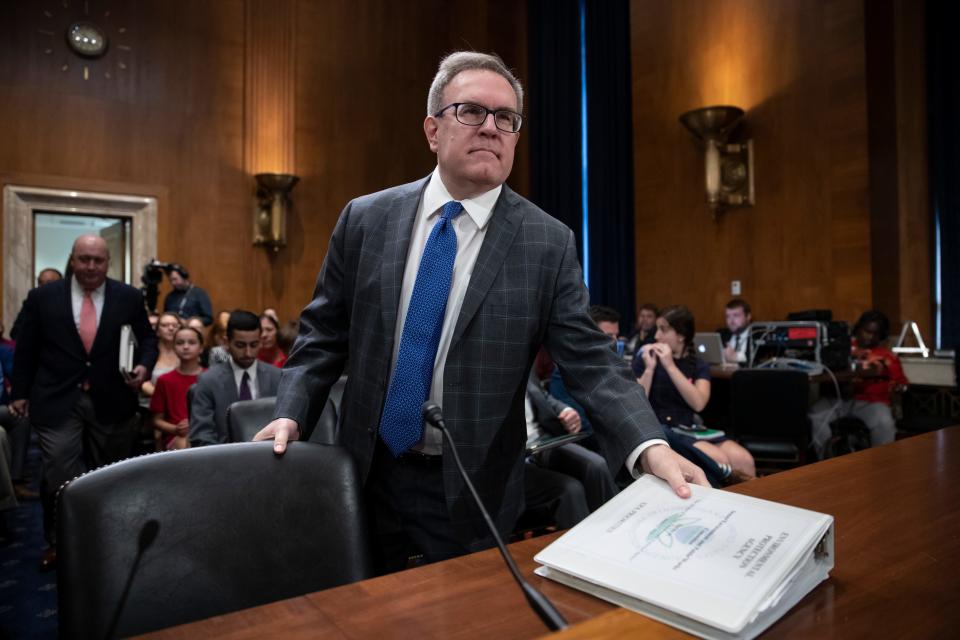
474,115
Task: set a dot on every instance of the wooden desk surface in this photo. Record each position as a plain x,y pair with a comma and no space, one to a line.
897,574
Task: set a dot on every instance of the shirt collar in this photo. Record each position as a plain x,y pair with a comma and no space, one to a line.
479,208
78,290
237,371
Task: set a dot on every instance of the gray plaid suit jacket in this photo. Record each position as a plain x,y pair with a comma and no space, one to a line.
526,290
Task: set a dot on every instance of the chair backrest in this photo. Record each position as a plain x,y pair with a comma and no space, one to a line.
771,404
327,429
178,536
246,417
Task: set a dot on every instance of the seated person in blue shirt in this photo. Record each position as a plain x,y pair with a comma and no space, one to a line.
677,383
608,321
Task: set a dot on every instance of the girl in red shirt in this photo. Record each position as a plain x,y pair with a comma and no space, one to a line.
169,401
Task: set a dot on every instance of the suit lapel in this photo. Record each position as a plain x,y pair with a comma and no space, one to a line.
396,244
230,386
504,224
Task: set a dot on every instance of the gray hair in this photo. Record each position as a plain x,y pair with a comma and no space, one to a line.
460,61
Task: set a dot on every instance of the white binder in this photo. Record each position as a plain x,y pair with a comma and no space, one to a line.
717,565
128,345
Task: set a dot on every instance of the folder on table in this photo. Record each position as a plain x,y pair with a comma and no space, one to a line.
717,565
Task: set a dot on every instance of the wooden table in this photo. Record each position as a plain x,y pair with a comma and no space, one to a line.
897,573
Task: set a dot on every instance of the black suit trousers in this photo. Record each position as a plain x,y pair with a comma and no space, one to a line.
408,514
78,444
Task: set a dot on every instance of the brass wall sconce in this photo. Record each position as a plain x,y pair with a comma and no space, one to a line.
271,209
728,174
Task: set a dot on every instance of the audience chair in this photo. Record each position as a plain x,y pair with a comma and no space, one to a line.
769,416
246,417
174,537
327,429
924,408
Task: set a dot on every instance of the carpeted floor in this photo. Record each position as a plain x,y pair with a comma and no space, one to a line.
28,598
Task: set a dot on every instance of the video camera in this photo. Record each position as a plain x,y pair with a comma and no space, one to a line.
150,278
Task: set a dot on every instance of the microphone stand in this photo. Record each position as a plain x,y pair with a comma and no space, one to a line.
148,533
538,602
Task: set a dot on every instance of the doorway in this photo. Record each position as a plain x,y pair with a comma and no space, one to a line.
55,232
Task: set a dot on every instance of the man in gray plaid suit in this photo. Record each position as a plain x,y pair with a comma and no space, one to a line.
516,285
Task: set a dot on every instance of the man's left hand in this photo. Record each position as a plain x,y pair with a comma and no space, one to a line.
570,420
667,464
137,378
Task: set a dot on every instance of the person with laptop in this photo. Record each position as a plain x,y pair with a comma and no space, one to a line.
677,383
710,348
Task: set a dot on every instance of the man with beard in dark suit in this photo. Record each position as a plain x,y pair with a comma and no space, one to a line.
67,377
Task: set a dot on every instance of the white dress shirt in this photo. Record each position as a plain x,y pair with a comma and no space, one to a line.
738,342
471,228
251,372
76,300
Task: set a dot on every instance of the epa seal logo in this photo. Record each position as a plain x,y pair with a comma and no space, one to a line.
672,534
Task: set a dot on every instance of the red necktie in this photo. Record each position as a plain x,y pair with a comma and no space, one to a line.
88,321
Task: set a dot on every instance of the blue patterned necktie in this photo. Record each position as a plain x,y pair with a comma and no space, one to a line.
401,425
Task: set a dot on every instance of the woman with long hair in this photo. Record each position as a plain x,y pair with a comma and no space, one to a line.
270,351
677,383
167,327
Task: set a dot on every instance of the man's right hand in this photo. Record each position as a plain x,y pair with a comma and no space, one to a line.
570,420
20,408
281,431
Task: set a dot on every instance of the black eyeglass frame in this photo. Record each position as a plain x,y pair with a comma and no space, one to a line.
456,107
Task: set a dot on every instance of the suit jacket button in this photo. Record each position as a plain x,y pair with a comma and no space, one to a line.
89,364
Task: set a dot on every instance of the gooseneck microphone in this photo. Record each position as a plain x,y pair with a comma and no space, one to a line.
148,534
538,602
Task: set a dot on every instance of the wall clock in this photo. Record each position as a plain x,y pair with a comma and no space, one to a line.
87,40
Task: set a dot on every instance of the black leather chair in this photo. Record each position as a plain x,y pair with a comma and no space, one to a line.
769,418
178,536
246,417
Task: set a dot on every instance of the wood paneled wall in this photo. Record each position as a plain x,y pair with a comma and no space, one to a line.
170,118
798,69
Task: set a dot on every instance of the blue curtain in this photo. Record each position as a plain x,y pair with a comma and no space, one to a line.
610,154
943,95
556,85
554,108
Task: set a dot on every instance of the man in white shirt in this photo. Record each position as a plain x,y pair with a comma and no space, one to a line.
738,319
513,283
242,378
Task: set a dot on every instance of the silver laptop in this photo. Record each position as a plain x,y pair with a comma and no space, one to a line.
709,347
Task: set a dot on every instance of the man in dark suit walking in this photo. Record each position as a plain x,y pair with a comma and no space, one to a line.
242,378
444,289
66,374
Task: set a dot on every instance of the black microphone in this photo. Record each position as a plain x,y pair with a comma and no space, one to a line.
148,534
538,602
